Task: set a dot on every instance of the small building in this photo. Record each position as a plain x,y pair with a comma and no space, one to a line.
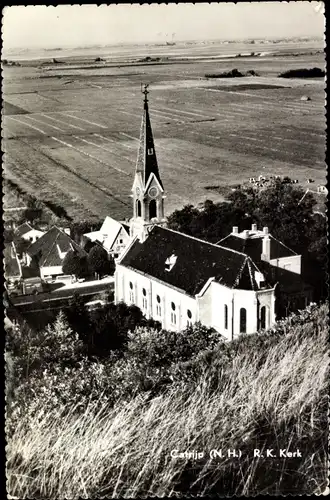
49,251
113,236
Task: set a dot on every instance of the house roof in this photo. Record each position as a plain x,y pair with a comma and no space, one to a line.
252,246
23,229
193,262
52,247
108,232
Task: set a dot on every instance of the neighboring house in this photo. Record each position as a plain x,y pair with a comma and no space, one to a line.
49,251
280,265
28,233
114,236
12,266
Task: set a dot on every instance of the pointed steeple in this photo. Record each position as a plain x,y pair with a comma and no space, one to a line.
146,163
147,191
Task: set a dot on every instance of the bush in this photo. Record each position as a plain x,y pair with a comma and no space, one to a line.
75,263
303,73
265,391
99,262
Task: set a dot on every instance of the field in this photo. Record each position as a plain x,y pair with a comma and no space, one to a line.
70,130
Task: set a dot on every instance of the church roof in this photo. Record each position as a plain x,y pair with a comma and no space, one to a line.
50,249
146,163
252,246
187,263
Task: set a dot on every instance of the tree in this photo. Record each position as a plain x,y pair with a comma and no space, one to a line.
76,264
78,319
32,212
99,262
21,245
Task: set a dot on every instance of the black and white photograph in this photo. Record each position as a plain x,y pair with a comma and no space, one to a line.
165,250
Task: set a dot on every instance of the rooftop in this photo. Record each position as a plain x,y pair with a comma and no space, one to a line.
51,248
250,243
187,263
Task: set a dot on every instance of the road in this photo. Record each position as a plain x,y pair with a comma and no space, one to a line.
61,296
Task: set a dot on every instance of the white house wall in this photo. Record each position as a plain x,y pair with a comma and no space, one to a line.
50,271
292,263
32,235
120,242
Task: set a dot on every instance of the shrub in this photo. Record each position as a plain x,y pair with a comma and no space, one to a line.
303,73
75,263
265,391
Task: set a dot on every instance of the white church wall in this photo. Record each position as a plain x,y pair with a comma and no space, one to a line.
266,299
171,319
245,299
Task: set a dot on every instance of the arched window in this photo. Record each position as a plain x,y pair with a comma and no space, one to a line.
138,208
173,314
152,209
226,317
158,306
144,299
189,315
242,320
263,317
131,292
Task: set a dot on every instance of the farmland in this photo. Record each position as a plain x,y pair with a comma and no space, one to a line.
70,130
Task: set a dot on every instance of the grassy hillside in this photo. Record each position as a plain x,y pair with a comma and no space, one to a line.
265,391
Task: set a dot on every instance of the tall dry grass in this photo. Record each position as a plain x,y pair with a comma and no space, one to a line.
274,398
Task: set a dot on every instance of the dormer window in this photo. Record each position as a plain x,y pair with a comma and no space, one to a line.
260,279
170,262
150,151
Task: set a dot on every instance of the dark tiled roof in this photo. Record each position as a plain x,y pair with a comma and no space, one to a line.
46,247
253,247
126,227
23,229
196,262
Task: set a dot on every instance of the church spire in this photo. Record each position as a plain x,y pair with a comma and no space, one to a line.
146,163
147,191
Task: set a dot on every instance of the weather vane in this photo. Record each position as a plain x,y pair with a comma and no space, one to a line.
145,91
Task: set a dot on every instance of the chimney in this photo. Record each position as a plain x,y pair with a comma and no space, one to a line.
254,228
265,230
246,233
235,230
265,247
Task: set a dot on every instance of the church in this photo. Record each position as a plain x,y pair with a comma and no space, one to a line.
176,279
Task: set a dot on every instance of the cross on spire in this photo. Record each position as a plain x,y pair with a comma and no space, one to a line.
145,91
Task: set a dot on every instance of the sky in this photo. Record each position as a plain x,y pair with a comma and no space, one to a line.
73,25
